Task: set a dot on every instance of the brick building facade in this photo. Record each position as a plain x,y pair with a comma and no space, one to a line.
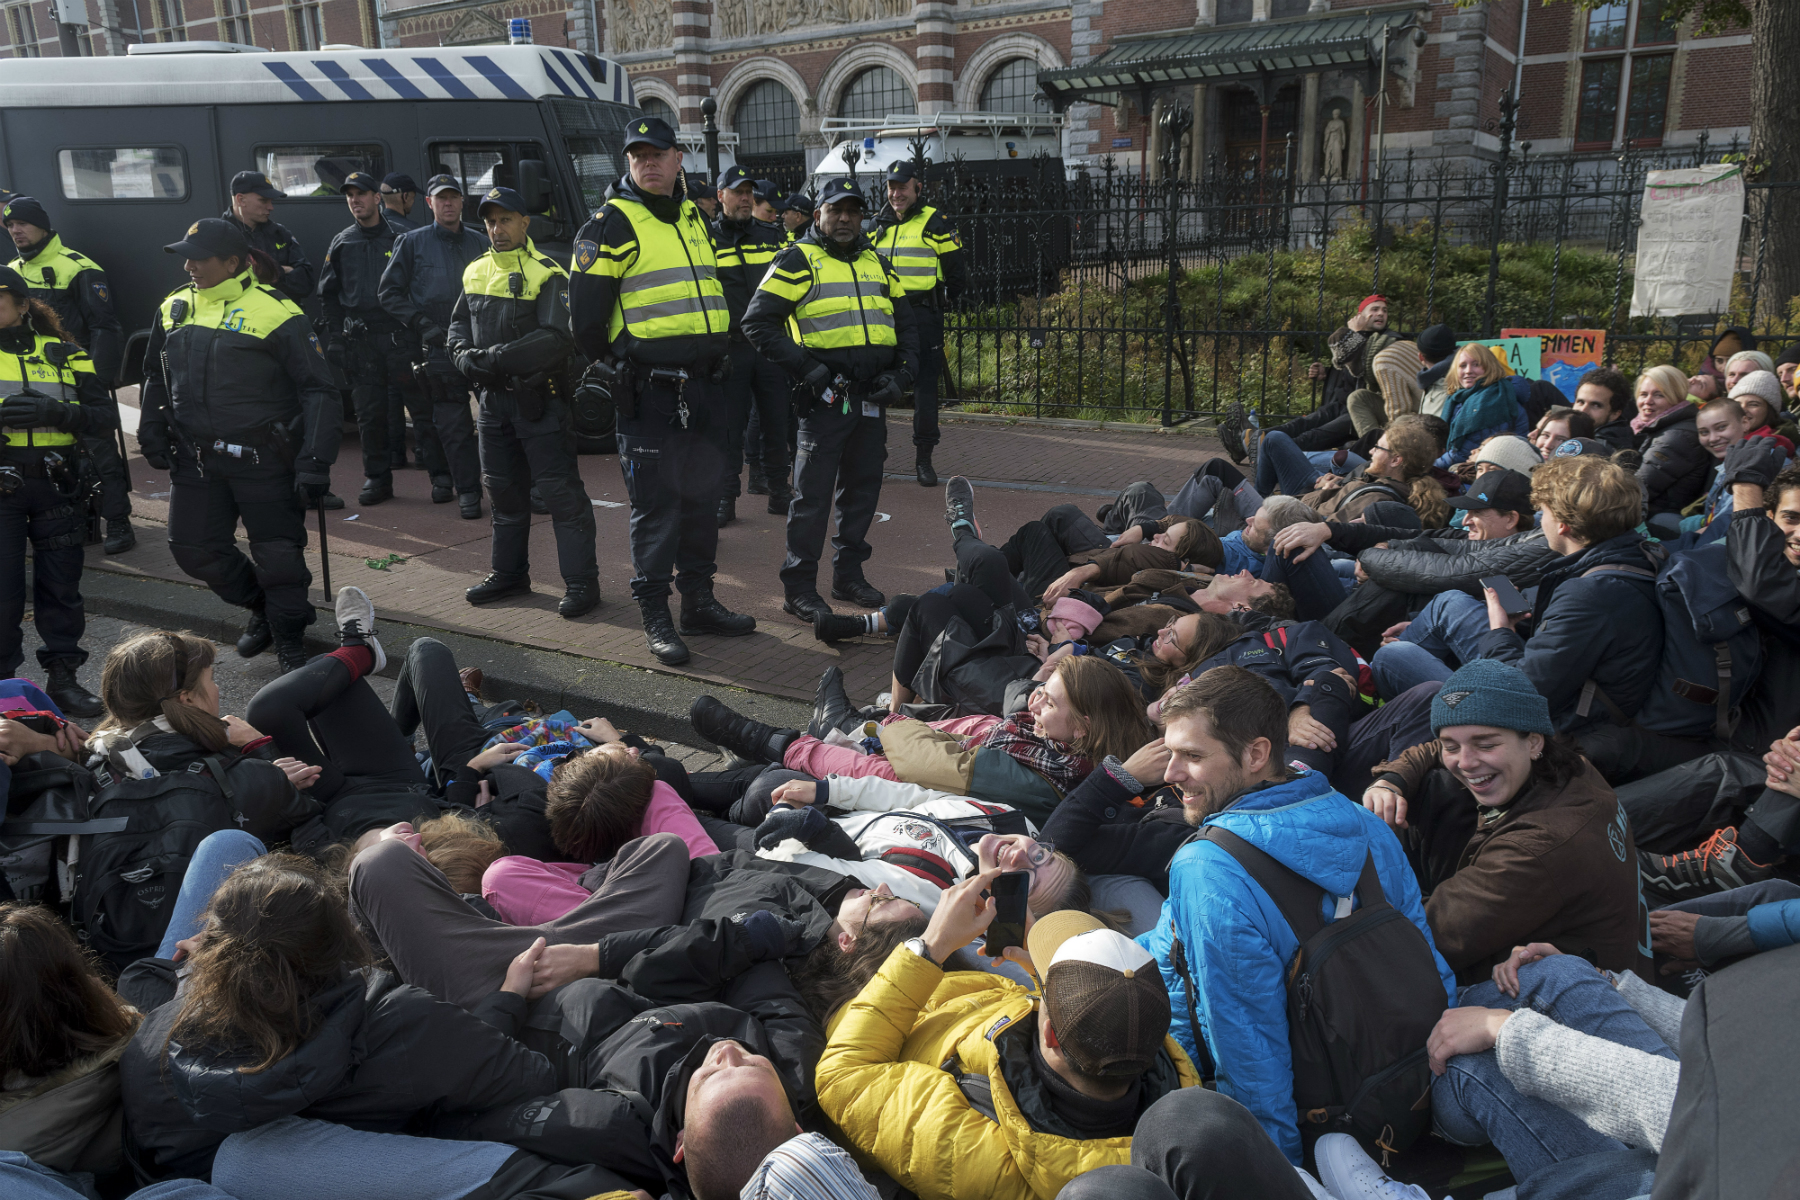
1254,72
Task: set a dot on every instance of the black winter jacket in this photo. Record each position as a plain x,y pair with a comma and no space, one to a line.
1605,626
279,243
1618,434
384,1057
1108,829
1676,465
259,789
1429,565
423,280
1760,571
350,282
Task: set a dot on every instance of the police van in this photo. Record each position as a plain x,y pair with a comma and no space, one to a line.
125,153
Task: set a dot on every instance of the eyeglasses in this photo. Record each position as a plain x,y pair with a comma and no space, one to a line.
1040,854
876,898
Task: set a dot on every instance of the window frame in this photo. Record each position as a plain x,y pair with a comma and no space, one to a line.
1625,56
257,150
1037,104
187,184
513,150
867,72
1650,140
748,148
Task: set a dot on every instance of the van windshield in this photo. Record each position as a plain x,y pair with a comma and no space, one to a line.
593,131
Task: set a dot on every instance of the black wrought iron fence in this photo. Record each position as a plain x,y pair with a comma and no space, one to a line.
1105,294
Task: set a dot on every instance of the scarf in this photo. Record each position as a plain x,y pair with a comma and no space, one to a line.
1475,409
552,739
1641,422
1018,736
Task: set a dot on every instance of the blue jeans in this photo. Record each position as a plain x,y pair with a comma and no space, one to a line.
1315,583
1450,627
1473,1103
1281,464
1325,461
23,1179
217,855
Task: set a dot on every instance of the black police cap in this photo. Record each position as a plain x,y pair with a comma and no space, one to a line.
396,182
211,237
361,179
14,283
902,170
442,183
734,177
505,198
841,190
698,188
651,131
257,183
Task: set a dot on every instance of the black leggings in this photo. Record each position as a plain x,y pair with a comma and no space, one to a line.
319,714
1194,1145
430,692
931,615
1038,554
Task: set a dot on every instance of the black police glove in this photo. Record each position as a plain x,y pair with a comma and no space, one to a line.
767,936
1754,460
429,331
885,389
157,456
475,365
818,378
312,488
33,409
808,824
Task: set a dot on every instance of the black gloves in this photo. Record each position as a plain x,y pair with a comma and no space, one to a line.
475,365
818,378
885,389
808,824
429,331
1754,460
312,487
33,409
767,936
158,457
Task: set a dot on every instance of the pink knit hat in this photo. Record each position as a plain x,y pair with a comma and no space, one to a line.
1075,613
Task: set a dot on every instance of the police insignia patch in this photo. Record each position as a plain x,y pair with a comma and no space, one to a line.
643,128
317,349
101,293
494,194
586,254
193,229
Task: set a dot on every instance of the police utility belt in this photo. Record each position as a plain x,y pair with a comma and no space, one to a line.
59,465
276,448
625,380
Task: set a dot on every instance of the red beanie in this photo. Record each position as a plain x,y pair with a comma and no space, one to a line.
1368,300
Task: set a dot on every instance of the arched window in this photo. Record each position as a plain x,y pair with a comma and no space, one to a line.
1013,88
654,107
767,122
874,94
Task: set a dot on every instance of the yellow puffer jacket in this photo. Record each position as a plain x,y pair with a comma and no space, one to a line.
884,1080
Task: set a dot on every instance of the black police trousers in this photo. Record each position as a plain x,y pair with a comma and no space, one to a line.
205,504
839,453
447,398
518,454
53,524
756,386
102,449
930,324
672,479
378,365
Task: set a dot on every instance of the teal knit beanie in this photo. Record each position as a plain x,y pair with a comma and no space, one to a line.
1490,692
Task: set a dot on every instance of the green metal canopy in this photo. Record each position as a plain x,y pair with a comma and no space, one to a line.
1348,38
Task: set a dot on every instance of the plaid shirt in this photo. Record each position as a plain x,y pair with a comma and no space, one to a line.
1018,736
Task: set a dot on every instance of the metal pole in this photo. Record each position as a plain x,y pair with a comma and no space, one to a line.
325,555
1509,107
1381,106
709,110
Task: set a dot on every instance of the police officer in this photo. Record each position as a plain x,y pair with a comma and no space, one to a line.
796,216
745,248
853,349
922,244
651,314
378,349
52,396
420,288
510,337
705,198
398,192
239,407
75,288
252,208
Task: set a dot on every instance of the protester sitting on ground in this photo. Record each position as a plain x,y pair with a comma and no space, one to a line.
1605,395
61,1036
1675,464
1558,426
1759,395
1437,350
1545,852
1720,425
1062,1086
1399,469
1487,403
1227,733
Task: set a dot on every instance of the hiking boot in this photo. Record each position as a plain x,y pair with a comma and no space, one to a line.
257,635
120,536
959,504
859,592
923,471
727,511
74,700
1231,431
659,632
701,612
332,500
497,587
442,490
356,623
538,504
376,489
832,628
748,739
807,606
831,704
580,599
290,651
1716,865
759,481
471,680
1350,1174
470,503
779,501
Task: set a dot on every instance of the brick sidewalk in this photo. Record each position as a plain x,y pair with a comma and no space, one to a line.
1035,467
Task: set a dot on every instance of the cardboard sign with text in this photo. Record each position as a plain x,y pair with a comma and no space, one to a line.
1565,355
1519,355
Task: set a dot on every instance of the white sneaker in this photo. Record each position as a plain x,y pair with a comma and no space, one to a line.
1350,1174
1313,1186
356,623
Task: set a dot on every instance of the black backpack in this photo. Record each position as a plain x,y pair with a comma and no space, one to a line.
48,808
1363,994
126,881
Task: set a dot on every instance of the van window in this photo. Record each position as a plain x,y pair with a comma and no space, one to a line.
302,171
480,166
151,173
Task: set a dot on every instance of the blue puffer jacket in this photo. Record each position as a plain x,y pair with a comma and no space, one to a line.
1238,945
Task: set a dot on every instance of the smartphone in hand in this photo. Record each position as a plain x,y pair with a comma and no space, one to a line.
1512,601
1010,892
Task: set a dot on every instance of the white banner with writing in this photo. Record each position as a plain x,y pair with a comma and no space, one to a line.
1688,241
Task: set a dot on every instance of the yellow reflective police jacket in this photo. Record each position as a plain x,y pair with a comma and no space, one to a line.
39,370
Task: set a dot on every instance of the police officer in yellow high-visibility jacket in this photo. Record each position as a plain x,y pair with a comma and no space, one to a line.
922,245
509,336
650,312
834,314
51,397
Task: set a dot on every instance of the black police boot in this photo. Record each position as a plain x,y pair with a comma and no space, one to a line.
859,592
70,696
923,471
701,612
290,651
120,536
748,739
806,606
375,489
659,632
470,502
537,504
497,587
441,490
831,704
332,500
832,628
582,597
759,481
257,635
779,499
727,511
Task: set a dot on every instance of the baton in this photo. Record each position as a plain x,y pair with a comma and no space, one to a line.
324,552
